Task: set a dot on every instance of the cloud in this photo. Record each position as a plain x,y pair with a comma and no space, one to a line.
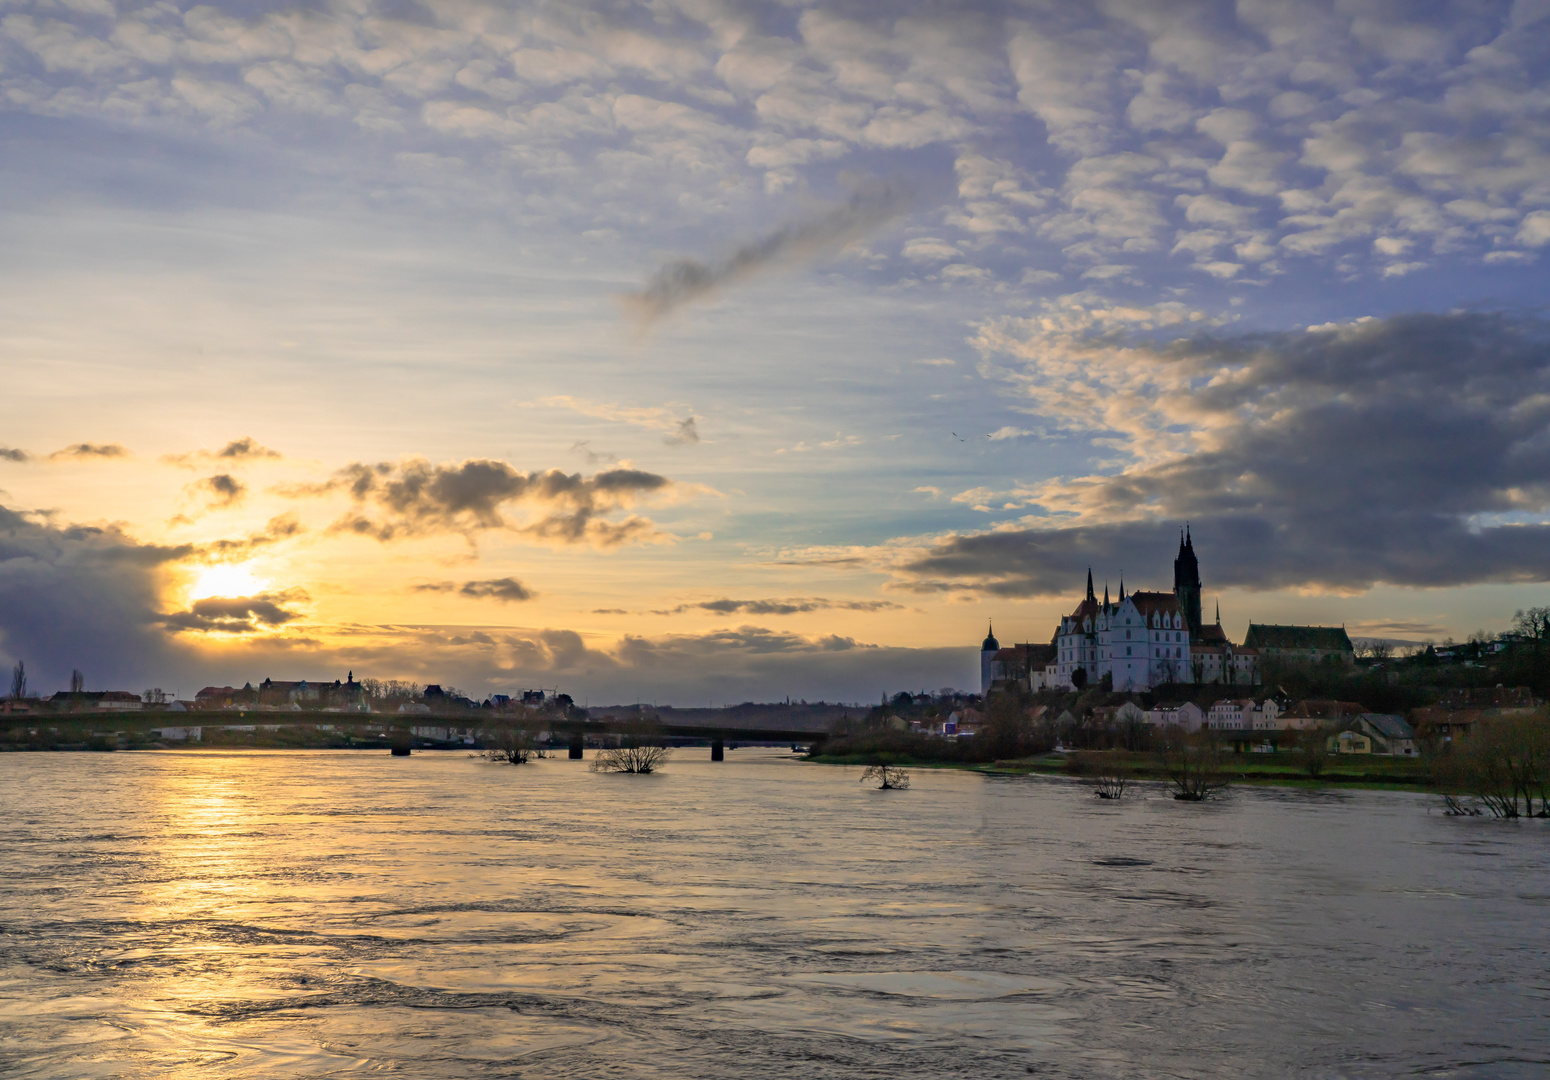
417,498
224,490
1413,451
279,528
792,606
685,434
238,451
683,281
81,596
88,451
235,614
8,454
507,590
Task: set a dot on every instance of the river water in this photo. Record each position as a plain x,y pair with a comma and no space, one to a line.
273,914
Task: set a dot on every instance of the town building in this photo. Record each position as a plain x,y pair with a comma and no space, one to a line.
1187,716
97,701
1388,734
1021,667
1311,644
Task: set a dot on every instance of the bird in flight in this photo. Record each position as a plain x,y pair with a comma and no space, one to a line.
959,437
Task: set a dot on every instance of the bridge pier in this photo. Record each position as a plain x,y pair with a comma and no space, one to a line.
718,750
577,744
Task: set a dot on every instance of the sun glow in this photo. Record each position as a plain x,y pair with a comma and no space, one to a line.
226,579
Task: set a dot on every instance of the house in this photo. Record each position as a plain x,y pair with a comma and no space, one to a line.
215,697
1187,716
1463,708
962,722
1349,741
1313,644
1231,714
1128,713
1388,733
1319,712
97,701
179,734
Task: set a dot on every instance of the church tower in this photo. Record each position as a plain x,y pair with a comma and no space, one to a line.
988,652
1186,583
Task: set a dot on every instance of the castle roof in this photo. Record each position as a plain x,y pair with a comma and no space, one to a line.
1269,636
1148,602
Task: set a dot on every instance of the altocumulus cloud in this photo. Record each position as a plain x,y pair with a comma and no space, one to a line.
507,590
1413,450
223,489
85,451
236,452
796,605
1112,139
417,498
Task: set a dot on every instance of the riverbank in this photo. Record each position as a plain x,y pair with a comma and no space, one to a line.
1370,773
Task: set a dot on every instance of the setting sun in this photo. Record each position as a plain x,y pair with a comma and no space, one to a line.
226,580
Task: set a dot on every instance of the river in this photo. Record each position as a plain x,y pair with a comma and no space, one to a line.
278,915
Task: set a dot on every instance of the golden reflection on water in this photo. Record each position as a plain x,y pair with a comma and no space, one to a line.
318,914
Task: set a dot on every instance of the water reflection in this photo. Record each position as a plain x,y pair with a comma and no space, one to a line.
287,915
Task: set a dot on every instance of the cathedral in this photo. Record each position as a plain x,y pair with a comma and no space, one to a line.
1139,640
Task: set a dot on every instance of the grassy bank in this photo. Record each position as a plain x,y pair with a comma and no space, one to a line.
1282,770
1404,774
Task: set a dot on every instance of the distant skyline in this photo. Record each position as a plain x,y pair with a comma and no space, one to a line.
699,352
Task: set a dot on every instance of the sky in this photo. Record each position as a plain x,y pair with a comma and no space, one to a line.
695,352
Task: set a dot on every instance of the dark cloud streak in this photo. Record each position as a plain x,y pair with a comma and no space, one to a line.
682,281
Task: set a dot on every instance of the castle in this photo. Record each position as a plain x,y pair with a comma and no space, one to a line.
1140,640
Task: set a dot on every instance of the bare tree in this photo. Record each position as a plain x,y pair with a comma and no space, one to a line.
1533,623
1503,767
1313,749
1193,764
77,681
888,777
630,758
19,681
1112,783
510,744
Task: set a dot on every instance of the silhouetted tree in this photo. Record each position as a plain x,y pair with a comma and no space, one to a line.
888,777
77,681
1313,749
1193,764
1503,766
510,744
630,759
640,750
19,681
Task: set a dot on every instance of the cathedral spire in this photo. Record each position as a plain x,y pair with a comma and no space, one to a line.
1219,611
1089,583
1105,594
1122,588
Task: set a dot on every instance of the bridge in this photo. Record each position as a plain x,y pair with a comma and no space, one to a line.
317,728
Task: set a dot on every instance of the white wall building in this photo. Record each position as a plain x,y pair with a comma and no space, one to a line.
1141,641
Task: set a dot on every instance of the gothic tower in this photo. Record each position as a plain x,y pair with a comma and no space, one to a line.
988,652
1186,583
